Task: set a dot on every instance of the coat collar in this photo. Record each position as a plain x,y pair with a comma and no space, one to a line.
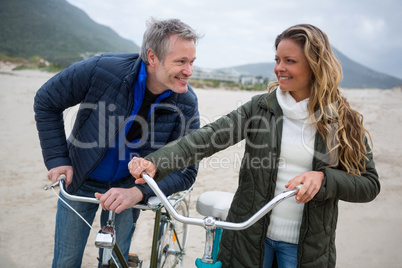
270,103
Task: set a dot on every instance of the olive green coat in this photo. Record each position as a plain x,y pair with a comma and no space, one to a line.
259,122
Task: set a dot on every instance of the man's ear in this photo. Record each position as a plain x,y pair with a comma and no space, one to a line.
152,58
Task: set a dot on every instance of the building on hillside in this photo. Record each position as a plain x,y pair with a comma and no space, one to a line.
226,75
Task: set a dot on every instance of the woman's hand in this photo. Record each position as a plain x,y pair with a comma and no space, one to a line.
311,181
139,165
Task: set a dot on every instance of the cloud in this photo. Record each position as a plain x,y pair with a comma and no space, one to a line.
371,27
239,32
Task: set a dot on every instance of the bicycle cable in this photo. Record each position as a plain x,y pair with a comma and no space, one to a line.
82,218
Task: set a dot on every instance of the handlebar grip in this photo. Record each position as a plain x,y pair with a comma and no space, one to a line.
61,177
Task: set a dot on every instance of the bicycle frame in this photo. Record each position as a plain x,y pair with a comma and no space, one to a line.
210,224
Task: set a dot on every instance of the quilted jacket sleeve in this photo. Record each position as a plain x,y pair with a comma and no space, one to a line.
64,90
210,139
338,184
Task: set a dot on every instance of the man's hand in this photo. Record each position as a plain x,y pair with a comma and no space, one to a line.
119,199
311,181
139,165
54,173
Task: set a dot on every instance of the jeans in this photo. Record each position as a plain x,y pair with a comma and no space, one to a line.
286,254
71,232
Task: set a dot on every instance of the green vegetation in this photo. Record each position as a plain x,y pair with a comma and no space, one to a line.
52,67
33,63
4,57
56,31
196,83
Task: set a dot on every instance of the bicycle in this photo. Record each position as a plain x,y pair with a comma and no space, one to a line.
215,214
213,223
169,235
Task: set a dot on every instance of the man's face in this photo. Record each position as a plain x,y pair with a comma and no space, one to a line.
173,73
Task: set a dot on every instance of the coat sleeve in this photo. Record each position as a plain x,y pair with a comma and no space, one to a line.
62,91
338,184
210,139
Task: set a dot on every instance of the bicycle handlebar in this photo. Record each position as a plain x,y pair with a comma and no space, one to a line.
210,222
61,183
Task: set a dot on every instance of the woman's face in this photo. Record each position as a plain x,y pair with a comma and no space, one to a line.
293,70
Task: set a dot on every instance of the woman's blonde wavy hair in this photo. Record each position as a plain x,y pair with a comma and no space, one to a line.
339,125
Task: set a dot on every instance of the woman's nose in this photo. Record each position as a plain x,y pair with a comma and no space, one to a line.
279,66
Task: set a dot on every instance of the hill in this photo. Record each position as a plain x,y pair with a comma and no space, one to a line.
55,30
355,75
60,32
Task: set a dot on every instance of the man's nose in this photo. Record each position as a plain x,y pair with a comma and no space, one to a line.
188,69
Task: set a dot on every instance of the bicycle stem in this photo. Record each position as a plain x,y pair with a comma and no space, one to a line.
209,242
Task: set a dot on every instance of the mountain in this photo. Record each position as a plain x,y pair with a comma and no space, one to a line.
55,30
60,32
355,75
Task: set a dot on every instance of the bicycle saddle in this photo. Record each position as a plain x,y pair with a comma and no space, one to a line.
215,204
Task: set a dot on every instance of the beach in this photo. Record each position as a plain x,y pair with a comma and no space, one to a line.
368,235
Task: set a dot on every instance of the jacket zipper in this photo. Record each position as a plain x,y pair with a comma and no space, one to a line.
305,219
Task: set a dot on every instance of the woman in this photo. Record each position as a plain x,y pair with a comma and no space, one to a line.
302,131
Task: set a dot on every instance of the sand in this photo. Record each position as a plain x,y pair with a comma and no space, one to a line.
368,235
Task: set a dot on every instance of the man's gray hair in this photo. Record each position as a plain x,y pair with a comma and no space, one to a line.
156,37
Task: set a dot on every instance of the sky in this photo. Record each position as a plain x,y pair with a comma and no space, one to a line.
243,32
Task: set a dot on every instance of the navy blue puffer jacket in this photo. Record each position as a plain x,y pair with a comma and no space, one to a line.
103,86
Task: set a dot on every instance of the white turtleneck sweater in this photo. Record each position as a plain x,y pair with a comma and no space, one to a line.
296,157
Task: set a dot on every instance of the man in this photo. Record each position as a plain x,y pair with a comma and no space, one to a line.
130,105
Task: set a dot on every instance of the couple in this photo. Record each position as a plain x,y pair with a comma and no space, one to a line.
142,102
